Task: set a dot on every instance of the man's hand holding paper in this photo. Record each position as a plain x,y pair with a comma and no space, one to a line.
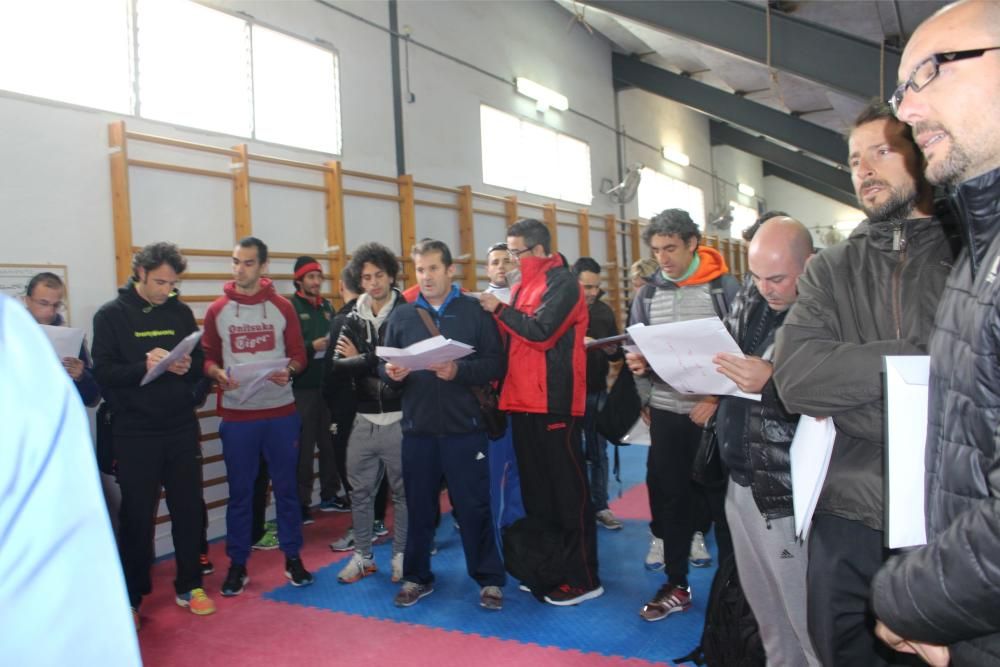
749,373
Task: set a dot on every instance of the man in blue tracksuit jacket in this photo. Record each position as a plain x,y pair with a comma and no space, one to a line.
442,430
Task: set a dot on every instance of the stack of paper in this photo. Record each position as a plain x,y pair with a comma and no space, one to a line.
421,356
252,375
810,455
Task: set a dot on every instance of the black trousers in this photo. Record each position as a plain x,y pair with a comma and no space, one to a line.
145,463
673,496
844,556
554,488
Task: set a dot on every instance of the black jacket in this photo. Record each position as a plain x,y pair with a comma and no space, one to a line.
758,457
371,394
602,325
872,295
948,592
432,406
338,390
125,329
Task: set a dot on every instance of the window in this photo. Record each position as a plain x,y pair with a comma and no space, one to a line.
67,50
743,218
193,67
658,192
523,156
188,64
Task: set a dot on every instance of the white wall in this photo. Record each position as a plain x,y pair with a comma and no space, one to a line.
733,167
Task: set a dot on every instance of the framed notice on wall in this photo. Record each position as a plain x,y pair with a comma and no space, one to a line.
14,279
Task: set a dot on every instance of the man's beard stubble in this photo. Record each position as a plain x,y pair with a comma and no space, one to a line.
899,206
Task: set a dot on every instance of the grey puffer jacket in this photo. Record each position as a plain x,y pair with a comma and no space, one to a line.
948,592
870,296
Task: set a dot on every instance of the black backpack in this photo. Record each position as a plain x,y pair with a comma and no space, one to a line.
731,637
617,414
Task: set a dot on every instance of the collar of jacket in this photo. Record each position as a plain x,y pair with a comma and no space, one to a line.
976,203
315,302
883,234
532,266
453,294
263,294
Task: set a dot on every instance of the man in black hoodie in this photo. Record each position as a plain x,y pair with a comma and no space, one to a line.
155,428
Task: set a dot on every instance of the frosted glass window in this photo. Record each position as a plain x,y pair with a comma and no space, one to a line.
658,192
523,156
68,50
743,218
295,90
194,66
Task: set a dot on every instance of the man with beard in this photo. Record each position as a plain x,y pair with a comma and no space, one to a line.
872,295
940,601
314,314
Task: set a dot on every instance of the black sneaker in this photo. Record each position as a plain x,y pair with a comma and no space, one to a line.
307,517
296,571
206,565
236,580
335,504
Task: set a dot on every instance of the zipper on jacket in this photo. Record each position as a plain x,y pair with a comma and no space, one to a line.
898,245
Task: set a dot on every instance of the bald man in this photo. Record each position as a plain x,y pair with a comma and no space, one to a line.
754,438
943,601
872,295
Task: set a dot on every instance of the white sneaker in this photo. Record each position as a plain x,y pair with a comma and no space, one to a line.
345,543
397,567
699,556
654,559
607,519
356,569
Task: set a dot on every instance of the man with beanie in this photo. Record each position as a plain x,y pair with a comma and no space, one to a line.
314,314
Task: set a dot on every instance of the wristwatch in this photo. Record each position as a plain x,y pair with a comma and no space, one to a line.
291,371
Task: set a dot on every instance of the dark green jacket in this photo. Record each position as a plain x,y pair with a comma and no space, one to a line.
315,323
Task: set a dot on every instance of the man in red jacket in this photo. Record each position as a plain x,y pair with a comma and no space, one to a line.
545,391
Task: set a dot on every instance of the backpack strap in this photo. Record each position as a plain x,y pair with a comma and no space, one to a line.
720,301
428,322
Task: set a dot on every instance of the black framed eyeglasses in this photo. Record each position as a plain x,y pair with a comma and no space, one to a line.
517,253
927,69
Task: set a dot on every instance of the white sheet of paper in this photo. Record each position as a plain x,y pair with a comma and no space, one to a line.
182,348
906,420
681,354
252,375
66,341
421,355
810,455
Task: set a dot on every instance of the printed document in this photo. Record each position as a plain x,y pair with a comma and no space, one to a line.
252,375
681,354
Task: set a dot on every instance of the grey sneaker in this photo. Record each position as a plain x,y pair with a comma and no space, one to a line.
357,569
491,597
410,594
345,543
654,558
607,519
699,556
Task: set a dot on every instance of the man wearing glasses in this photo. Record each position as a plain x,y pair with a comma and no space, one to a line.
941,601
545,391
870,296
44,299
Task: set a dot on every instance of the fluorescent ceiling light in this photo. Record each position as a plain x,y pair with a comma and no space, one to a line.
545,97
676,156
746,190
